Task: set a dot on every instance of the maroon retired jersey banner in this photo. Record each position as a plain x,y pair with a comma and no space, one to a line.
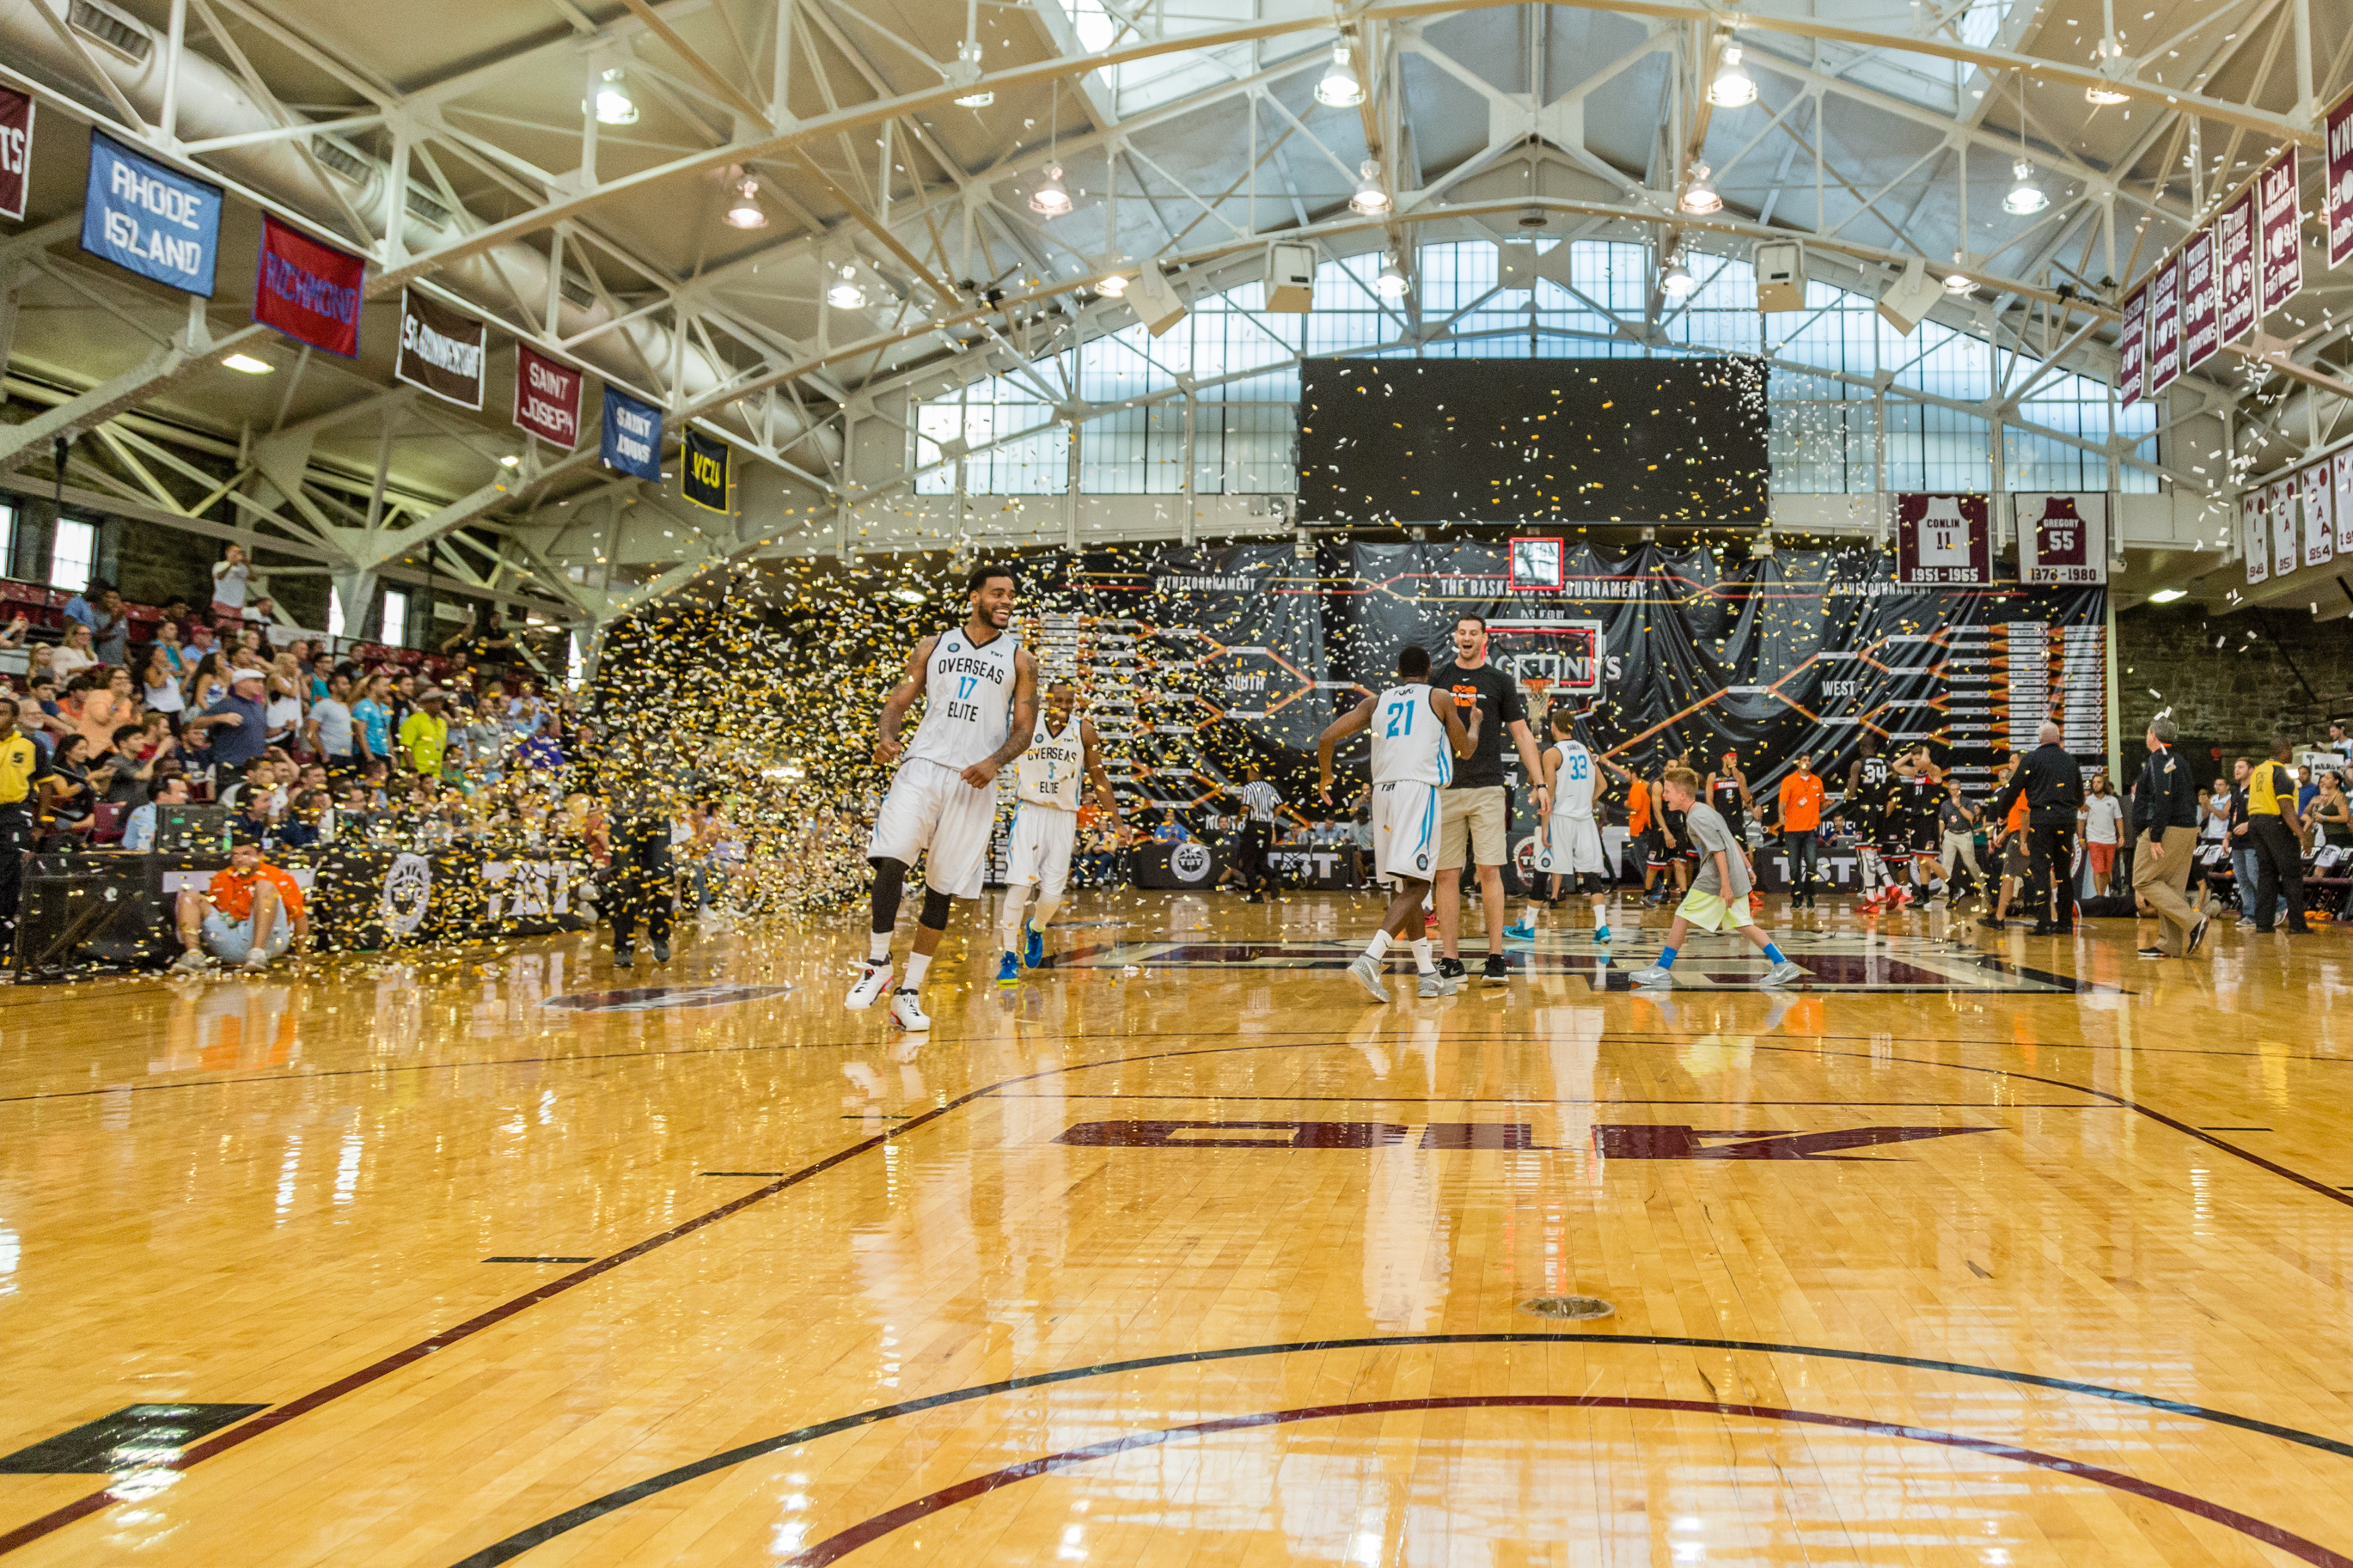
1943,540
2280,226
2337,202
547,397
2130,336
16,150
2234,268
308,290
2164,330
2063,539
2199,338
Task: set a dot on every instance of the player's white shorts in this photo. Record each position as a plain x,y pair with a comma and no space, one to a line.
1571,847
931,807
1404,829
1038,848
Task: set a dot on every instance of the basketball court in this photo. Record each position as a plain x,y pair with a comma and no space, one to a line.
1974,1247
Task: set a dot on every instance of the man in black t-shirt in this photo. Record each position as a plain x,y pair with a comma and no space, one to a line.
1475,811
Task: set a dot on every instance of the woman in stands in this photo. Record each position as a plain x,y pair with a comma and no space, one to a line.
66,792
75,654
159,684
284,714
208,684
2335,813
106,708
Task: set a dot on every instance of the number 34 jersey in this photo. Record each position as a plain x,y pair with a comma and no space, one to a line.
968,701
1408,740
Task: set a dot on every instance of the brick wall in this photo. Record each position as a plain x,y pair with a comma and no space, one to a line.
2230,680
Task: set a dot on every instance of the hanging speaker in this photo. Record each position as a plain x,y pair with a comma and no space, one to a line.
1155,301
1906,304
1780,277
1291,280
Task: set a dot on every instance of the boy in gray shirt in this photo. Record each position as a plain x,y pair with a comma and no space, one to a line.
1718,900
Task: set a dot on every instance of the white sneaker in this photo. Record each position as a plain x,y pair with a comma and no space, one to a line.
870,985
1365,971
193,962
1436,985
255,958
1783,973
1653,976
907,1011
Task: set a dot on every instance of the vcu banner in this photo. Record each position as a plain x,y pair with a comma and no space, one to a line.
703,471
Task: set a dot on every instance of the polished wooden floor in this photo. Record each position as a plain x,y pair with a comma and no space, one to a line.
1979,1248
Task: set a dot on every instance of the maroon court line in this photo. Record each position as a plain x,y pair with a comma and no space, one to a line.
94,1502
835,1547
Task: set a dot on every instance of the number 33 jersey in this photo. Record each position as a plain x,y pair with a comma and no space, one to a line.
969,706
1408,740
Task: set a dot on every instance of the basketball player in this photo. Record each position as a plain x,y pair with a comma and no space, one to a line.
1418,733
1570,844
1727,791
1866,808
980,712
1718,900
1920,790
1046,823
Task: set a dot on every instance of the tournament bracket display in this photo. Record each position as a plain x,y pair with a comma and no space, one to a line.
1199,660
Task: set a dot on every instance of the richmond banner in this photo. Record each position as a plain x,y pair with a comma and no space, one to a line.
1199,661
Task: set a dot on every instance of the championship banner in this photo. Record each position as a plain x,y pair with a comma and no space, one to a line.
2287,549
2199,339
2341,501
547,397
16,150
2130,336
2063,539
631,443
2280,226
2164,329
2255,533
308,290
2234,269
1943,539
441,350
1198,660
2319,513
703,475
148,219
2336,201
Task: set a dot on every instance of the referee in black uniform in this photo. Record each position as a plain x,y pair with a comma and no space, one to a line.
2053,787
1260,802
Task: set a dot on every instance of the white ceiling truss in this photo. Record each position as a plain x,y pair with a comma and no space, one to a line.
454,148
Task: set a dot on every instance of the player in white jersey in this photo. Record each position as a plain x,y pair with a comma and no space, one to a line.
1417,735
1569,843
980,712
1046,823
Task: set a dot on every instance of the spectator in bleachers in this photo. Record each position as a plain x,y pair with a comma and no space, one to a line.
75,654
232,579
329,731
284,713
372,716
66,795
2335,813
236,727
133,774
159,684
99,608
104,707
13,634
201,642
169,643
138,827
424,734
43,717
208,684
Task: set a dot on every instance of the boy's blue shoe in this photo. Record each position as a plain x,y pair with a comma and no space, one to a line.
1520,933
1600,933
1009,970
1033,946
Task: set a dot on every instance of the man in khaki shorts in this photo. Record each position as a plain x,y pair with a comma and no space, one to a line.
1473,811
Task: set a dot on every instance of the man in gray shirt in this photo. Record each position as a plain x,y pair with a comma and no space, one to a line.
1718,899
329,728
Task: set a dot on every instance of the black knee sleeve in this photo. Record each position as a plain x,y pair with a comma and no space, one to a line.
936,906
890,882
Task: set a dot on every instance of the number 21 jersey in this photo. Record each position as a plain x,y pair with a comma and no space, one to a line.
1408,740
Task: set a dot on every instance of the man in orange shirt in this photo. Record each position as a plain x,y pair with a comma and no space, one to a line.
1637,818
1801,823
251,913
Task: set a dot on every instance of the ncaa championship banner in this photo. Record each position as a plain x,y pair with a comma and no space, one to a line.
1197,662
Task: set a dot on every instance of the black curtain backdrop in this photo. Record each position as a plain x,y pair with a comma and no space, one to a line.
1200,661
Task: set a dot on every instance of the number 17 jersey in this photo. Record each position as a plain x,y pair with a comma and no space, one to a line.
1408,740
968,700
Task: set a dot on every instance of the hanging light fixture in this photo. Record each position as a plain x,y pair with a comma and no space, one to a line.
1341,88
745,211
845,294
2097,94
1369,197
1112,285
1959,283
614,104
1391,284
2025,197
1050,199
1676,282
1699,196
1732,88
